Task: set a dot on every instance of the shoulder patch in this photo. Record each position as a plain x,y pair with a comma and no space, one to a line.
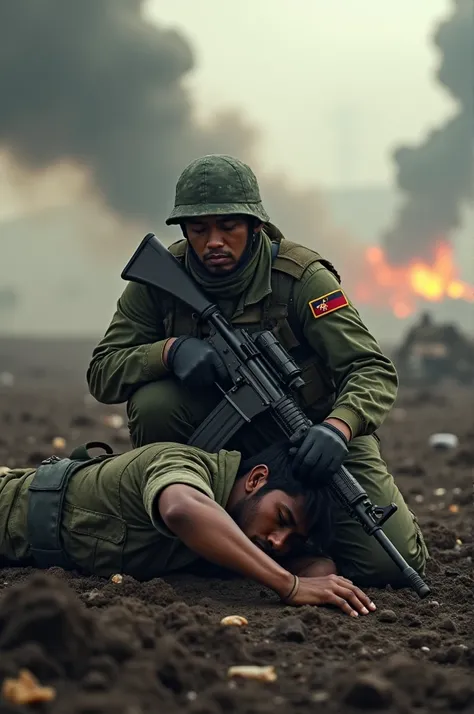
328,303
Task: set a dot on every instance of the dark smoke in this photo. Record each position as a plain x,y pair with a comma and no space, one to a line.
91,81
94,83
437,177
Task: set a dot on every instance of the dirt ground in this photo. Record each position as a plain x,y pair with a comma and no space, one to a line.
132,648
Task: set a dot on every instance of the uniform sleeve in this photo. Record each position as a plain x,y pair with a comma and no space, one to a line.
171,467
366,380
131,351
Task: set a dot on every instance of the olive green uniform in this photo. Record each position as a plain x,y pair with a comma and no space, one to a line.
346,374
110,521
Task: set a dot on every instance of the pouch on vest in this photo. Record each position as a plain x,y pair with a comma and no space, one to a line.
45,503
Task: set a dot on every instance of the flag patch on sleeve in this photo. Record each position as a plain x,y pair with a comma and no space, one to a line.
328,303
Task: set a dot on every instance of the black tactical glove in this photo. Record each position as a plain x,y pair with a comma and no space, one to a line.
319,452
195,362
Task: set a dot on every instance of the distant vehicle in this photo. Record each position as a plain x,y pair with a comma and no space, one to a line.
432,352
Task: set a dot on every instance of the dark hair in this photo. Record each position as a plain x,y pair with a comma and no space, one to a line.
318,503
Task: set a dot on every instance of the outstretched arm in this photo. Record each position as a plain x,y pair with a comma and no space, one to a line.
207,529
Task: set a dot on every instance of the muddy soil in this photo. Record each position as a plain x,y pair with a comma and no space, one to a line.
130,647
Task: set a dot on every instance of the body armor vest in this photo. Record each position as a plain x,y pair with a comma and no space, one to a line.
276,312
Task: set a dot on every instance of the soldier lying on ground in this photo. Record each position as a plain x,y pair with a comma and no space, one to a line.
162,507
155,357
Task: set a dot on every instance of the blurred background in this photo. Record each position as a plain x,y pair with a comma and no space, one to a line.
356,116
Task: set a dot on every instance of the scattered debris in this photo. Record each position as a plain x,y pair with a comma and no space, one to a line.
114,421
387,616
320,696
26,690
443,441
290,629
58,443
234,620
261,674
117,579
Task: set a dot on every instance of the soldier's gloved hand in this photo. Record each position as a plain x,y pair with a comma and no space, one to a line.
195,362
319,453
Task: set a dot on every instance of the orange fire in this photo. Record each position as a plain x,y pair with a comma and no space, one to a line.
400,286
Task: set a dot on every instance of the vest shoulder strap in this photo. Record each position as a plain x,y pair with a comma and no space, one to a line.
178,249
294,258
288,266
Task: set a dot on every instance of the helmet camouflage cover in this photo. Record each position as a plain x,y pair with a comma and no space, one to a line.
217,185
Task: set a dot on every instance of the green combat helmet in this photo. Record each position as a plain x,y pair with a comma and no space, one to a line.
217,185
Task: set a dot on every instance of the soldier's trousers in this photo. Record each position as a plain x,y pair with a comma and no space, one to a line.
167,411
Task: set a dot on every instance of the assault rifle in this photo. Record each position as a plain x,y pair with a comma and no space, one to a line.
263,378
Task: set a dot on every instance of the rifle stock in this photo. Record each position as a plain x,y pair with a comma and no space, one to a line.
152,264
262,375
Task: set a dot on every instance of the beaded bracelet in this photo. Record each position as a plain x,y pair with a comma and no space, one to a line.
294,589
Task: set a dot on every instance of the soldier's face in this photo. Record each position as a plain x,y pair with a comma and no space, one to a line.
275,522
218,241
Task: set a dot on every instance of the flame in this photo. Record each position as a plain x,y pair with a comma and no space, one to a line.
401,287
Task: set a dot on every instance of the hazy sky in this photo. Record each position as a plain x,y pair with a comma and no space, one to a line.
333,85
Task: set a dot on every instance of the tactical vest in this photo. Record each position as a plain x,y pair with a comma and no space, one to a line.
276,312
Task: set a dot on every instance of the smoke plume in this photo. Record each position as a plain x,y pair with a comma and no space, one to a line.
93,83
437,177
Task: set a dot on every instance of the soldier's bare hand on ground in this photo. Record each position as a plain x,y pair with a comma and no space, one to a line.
333,590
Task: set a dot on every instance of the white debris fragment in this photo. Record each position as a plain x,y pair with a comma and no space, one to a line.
439,491
115,421
320,696
425,649
443,441
261,674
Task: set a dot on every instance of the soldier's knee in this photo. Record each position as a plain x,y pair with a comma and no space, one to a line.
166,411
150,413
386,572
377,569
